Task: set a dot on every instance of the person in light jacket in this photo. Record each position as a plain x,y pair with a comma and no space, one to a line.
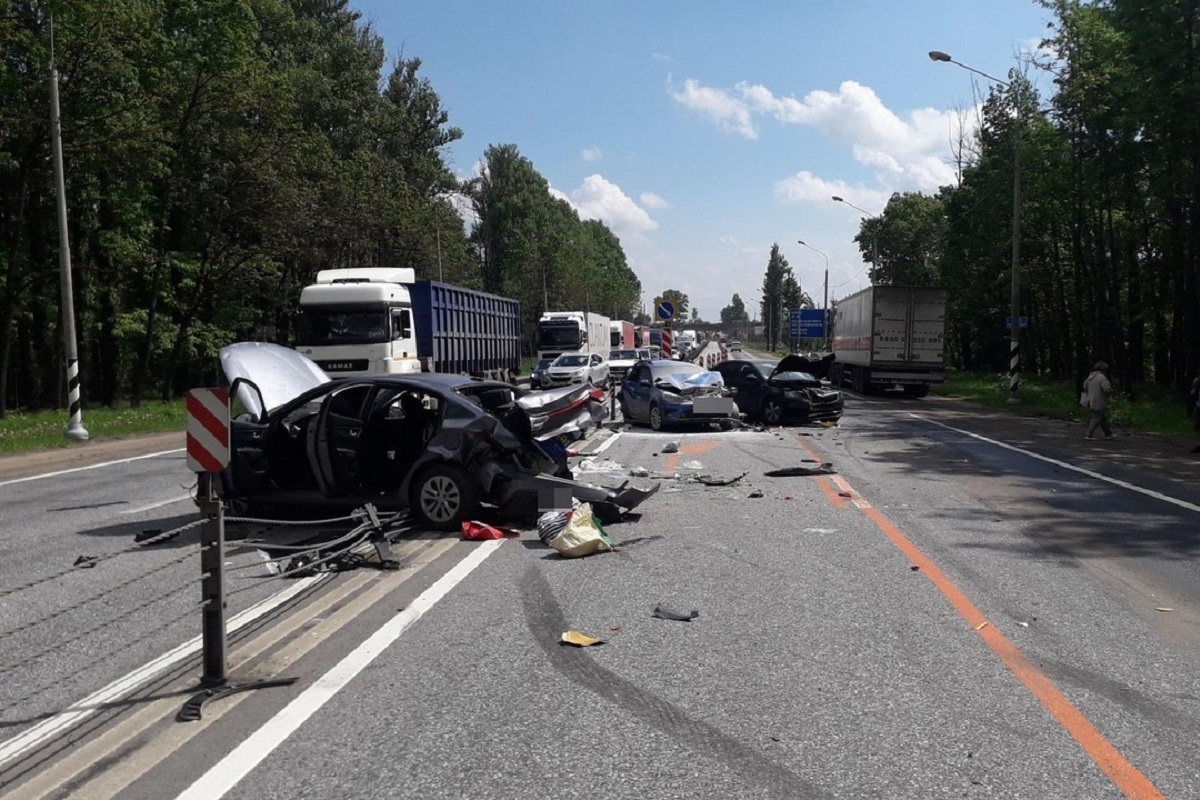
1099,397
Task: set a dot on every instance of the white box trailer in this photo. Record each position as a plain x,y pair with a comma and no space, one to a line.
890,337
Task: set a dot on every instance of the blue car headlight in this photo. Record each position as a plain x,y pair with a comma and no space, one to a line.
671,397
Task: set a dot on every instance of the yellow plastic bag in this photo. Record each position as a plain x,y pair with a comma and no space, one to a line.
582,536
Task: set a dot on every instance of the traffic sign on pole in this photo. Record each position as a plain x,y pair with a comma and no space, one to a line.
664,310
207,430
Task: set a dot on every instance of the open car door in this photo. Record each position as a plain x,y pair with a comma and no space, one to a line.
335,440
248,471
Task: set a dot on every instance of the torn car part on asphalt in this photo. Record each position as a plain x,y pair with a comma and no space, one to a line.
442,446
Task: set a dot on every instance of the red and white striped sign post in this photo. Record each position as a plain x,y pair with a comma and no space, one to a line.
668,339
208,454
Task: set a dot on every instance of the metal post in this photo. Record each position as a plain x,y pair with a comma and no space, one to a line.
212,585
439,246
1014,347
75,430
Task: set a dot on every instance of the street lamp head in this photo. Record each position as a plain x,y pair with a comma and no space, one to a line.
801,241
838,199
938,55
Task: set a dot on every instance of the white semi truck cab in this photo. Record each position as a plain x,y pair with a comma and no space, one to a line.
359,322
572,332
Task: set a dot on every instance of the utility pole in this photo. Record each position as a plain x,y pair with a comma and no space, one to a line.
75,430
439,248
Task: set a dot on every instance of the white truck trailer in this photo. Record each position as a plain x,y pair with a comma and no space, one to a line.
887,337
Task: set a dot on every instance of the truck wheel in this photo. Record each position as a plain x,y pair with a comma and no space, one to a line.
656,418
443,497
772,412
920,390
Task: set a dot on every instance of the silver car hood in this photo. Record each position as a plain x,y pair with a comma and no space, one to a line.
701,383
279,373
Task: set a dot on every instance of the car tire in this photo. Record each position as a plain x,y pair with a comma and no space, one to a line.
772,412
656,419
443,497
726,424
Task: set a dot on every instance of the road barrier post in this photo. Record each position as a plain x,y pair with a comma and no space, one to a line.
212,586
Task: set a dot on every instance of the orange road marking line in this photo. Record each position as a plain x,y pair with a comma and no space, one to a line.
1126,777
827,489
689,449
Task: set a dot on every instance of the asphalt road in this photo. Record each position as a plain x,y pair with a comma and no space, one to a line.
966,609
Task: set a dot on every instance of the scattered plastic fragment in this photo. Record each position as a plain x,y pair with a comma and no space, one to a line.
756,494
87,562
787,497
1163,608
845,494
481,532
981,625
692,465
1023,624
796,472
671,447
597,465
666,612
639,472
580,639
709,480
915,568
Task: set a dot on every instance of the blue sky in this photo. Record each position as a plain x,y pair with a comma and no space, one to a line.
702,132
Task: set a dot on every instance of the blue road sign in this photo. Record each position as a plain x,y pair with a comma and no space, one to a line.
665,310
1024,322
809,323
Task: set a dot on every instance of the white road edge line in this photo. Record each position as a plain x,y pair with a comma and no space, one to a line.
90,466
22,743
159,504
607,443
1065,465
230,770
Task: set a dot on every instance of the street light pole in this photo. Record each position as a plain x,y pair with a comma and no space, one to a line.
1014,328
825,301
75,430
874,234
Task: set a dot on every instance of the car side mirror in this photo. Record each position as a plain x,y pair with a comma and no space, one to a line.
243,391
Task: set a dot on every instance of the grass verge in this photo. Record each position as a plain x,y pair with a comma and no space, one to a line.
40,430
1150,408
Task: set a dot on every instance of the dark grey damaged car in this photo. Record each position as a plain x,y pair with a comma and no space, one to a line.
443,446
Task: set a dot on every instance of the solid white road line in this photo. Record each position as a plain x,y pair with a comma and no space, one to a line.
159,504
90,466
1175,501
607,443
22,743
230,770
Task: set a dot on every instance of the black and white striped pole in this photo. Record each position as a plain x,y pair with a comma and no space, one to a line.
75,430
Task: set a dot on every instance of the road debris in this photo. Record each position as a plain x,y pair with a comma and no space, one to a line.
981,625
87,562
692,465
757,493
1163,608
915,568
579,639
573,533
709,480
825,468
639,472
1023,624
670,447
598,465
845,494
666,612
474,531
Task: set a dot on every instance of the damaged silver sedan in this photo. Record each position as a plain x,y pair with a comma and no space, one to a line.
443,446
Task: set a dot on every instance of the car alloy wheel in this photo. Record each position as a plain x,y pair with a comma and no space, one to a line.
772,413
443,497
656,420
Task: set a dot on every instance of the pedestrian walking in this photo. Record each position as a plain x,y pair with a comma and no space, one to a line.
1097,391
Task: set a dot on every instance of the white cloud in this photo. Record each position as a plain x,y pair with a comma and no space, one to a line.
729,112
904,152
652,201
599,198
727,240
592,153
804,187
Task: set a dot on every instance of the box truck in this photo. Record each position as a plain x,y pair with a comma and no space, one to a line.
888,337
572,332
621,335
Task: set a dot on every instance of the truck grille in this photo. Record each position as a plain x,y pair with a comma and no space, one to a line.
345,365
